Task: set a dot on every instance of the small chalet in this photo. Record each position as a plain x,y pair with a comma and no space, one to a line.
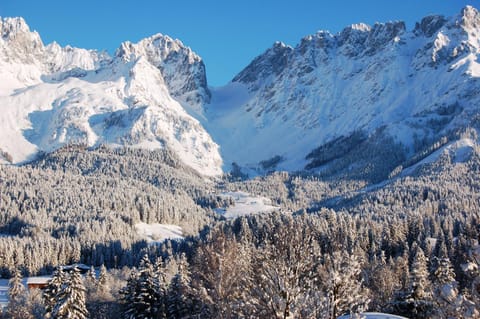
38,282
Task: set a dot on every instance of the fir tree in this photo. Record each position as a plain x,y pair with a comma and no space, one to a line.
128,296
416,301
142,295
103,289
180,295
445,290
71,302
52,291
17,298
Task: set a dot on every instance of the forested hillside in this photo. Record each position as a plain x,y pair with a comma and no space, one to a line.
407,246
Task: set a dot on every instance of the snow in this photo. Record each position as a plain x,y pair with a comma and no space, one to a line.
460,151
245,204
153,94
28,280
157,233
66,95
38,280
3,293
373,315
289,112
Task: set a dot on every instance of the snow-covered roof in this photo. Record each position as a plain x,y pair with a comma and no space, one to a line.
38,280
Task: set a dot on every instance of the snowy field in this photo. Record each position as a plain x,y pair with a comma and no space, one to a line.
373,315
157,233
245,204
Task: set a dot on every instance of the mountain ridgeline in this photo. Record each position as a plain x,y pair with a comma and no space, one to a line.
359,103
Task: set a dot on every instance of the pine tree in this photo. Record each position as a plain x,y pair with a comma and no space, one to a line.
420,284
71,302
91,284
103,289
128,295
52,291
142,295
344,285
416,301
17,298
445,290
180,295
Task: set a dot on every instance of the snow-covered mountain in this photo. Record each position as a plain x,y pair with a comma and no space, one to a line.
51,96
381,87
338,102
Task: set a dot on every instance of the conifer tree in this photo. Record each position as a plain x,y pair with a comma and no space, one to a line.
416,301
91,283
71,300
445,290
128,296
103,289
142,295
180,295
52,291
17,298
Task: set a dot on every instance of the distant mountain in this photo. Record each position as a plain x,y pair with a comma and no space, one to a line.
366,95
51,96
364,103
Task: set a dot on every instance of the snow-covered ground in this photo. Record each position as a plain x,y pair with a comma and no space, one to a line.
3,293
373,315
157,233
460,151
245,204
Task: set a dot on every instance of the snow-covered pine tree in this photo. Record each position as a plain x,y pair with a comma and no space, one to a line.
71,302
161,272
103,289
344,285
416,301
17,298
91,283
445,290
148,298
142,295
421,293
51,292
180,294
128,296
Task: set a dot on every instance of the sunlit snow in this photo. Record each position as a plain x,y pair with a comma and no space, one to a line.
157,233
245,204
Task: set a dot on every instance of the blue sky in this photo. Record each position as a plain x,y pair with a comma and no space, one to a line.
226,34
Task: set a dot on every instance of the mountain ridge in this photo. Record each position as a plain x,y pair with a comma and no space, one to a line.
368,80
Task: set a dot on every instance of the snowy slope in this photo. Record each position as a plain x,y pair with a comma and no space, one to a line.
415,85
393,88
245,204
157,233
51,96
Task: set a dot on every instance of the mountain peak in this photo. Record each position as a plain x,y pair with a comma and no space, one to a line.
16,33
9,27
470,18
183,70
429,25
271,62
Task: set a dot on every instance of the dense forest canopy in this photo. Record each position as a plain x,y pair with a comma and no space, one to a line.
407,246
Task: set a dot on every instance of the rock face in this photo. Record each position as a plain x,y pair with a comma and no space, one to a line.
398,88
182,69
368,99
